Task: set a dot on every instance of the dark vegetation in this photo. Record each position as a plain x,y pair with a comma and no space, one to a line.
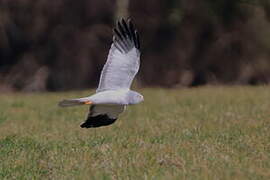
63,44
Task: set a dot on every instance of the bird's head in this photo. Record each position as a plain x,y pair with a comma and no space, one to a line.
134,97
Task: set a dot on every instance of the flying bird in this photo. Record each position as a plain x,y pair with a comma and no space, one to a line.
113,93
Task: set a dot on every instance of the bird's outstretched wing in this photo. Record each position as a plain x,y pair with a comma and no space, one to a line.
102,115
123,60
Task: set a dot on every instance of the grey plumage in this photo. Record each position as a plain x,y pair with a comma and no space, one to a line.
113,93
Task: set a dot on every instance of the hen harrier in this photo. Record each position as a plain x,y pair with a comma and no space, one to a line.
113,93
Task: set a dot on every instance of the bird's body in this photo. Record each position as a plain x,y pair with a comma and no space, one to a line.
108,97
113,93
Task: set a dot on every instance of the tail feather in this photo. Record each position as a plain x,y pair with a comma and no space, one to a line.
72,102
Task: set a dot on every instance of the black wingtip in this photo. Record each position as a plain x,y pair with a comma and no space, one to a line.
126,29
137,44
128,19
132,30
131,26
117,33
121,30
98,121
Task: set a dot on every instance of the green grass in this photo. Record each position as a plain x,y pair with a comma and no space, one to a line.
200,133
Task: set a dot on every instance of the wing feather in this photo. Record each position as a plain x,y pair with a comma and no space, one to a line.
112,111
102,115
123,60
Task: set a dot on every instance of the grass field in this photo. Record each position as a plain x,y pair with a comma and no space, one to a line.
199,133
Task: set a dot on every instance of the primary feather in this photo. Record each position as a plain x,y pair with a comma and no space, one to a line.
102,115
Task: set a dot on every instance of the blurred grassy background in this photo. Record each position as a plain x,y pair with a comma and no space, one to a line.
63,44
199,133
211,132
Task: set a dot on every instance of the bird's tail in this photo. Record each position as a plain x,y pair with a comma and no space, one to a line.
74,102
